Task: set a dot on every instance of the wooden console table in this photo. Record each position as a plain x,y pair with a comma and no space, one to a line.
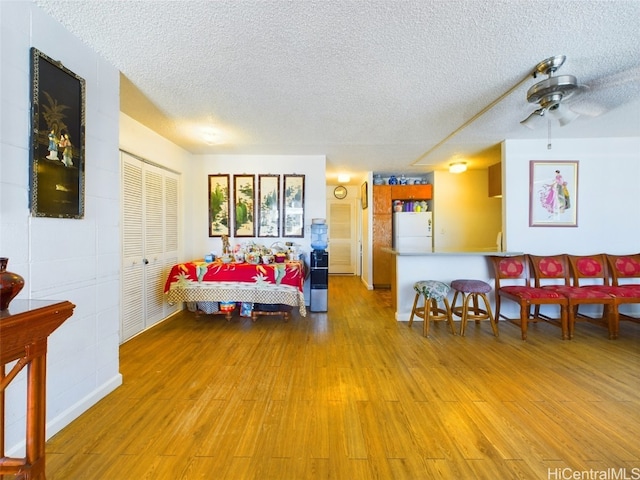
24,330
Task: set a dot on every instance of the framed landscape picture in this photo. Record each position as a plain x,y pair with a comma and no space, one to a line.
293,206
56,154
553,193
218,205
244,210
269,205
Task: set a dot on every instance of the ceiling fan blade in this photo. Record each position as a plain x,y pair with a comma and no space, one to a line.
606,93
531,120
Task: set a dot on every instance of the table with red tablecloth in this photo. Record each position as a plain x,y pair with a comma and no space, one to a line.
272,284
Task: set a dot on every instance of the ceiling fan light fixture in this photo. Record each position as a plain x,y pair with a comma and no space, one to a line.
563,115
457,167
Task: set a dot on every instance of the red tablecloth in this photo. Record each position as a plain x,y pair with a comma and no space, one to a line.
277,283
288,273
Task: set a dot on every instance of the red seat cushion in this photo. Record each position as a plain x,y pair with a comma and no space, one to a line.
576,293
628,291
530,293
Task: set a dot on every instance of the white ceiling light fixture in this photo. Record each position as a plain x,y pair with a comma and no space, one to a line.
344,178
457,167
209,136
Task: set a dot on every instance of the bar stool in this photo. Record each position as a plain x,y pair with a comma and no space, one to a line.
433,292
472,290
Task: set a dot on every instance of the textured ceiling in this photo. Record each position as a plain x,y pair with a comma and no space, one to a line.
374,85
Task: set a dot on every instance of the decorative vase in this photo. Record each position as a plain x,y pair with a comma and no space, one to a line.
10,284
377,179
393,180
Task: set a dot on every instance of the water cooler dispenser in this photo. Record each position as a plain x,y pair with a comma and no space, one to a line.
319,271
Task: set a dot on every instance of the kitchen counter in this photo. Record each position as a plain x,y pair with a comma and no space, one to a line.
409,267
481,252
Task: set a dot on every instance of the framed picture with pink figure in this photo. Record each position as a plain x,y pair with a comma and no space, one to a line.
553,193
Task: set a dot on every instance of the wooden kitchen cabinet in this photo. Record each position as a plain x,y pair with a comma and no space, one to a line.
411,192
383,197
382,208
381,259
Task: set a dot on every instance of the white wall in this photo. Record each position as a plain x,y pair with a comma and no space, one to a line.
311,166
65,259
146,144
607,200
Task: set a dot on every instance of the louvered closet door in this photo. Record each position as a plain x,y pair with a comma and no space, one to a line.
132,319
150,243
342,237
153,206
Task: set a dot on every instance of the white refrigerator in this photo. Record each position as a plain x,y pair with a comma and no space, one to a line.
412,232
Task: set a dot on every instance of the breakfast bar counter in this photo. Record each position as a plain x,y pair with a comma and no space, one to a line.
445,266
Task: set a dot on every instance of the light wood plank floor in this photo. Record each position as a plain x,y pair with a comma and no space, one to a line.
353,394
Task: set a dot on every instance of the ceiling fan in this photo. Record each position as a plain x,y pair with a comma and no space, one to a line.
562,98
551,92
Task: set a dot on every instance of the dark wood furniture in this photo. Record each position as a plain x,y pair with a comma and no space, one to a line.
24,330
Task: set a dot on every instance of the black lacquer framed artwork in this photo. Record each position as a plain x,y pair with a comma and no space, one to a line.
57,154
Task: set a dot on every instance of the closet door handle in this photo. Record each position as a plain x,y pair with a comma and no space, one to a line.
145,261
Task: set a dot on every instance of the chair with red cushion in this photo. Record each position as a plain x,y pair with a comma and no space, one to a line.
624,271
512,282
552,272
595,270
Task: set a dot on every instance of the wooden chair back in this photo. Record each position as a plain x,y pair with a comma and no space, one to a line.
625,268
550,270
513,268
592,268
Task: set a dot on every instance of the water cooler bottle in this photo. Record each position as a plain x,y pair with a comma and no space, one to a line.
319,271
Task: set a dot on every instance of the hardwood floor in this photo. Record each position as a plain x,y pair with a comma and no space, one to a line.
353,394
